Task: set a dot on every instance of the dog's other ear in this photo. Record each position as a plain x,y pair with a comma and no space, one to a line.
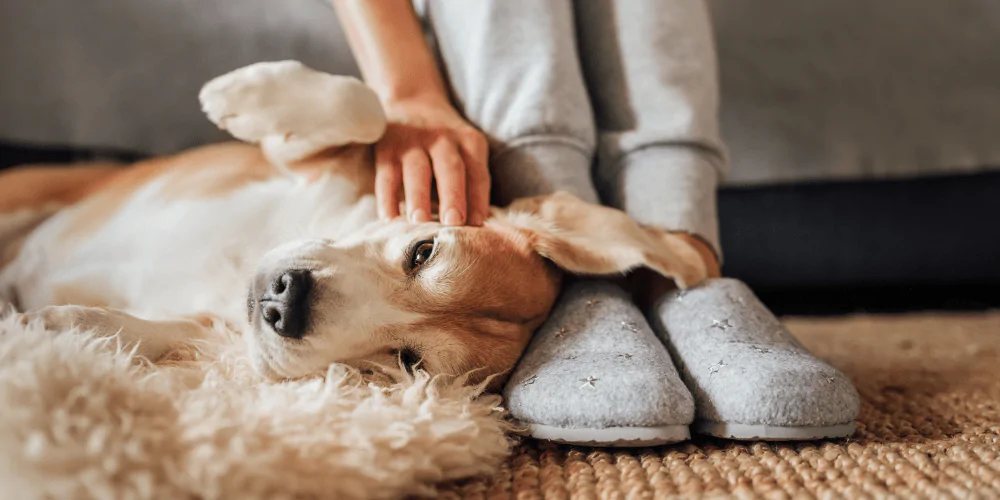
587,239
292,110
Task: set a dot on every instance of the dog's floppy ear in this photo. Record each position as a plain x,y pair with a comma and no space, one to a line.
292,110
588,239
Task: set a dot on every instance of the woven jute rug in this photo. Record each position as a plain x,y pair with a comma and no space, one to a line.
929,428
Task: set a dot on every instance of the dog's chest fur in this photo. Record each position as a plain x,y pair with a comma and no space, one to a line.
162,257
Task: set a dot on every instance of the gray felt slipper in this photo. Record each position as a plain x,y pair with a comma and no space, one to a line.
595,374
750,378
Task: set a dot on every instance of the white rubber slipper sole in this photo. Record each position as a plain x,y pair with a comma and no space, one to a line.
743,432
616,437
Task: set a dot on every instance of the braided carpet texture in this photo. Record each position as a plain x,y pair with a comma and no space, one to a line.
929,428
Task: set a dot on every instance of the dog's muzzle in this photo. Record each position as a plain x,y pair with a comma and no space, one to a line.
284,304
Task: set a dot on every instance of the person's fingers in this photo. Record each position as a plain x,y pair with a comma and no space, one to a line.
388,179
417,185
449,172
475,152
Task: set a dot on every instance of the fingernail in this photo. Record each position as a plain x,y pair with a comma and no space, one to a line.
452,218
475,219
417,216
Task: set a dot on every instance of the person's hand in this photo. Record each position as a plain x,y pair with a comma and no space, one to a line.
427,140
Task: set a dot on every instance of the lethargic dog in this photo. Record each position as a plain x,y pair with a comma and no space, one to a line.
280,238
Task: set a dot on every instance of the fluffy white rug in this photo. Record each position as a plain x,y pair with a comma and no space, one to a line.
82,419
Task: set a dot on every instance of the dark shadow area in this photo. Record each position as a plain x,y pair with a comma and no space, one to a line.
881,299
900,235
13,154
876,246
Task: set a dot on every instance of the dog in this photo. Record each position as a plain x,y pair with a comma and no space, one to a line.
277,237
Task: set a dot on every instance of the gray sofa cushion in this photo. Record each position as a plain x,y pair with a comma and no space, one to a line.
125,74
858,89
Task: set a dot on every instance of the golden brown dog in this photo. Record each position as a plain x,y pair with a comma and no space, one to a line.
281,240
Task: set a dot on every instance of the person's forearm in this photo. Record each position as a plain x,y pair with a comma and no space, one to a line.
389,44
427,142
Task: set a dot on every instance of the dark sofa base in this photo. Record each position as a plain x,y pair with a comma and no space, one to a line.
929,231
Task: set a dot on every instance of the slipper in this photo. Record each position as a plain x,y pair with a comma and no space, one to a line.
751,379
595,374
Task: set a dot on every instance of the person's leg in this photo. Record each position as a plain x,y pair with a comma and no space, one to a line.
650,70
595,372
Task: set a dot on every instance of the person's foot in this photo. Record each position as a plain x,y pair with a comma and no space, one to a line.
750,378
595,374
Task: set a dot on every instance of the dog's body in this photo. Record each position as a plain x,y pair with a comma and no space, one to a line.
155,252
206,216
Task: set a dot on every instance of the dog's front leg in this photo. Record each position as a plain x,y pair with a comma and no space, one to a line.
150,339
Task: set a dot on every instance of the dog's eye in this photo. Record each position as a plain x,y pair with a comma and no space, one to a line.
407,357
420,253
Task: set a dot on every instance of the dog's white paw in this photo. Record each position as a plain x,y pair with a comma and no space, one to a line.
292,110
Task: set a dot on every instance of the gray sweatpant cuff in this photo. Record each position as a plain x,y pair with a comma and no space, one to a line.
673,188
541,165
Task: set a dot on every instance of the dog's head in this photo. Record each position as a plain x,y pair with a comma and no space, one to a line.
451,299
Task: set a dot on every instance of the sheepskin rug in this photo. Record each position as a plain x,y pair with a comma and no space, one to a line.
81,418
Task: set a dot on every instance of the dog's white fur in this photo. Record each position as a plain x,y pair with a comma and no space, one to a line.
158,253
81,419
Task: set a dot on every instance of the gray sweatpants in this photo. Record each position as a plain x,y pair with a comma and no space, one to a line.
553,82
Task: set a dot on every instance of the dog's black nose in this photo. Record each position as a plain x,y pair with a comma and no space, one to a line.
285,304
